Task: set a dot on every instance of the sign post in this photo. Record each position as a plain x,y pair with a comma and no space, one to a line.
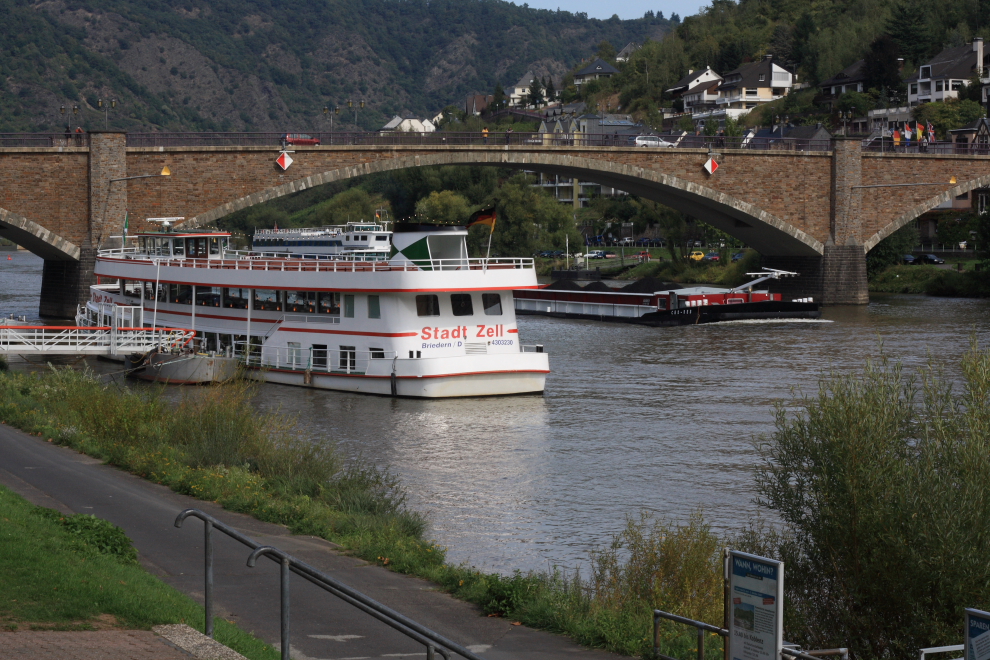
755,617
977,645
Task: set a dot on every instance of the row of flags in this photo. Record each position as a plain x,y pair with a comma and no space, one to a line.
920,131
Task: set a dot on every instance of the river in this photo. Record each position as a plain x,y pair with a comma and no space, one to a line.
633,419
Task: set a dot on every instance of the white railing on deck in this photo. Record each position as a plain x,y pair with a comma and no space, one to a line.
292,265
329,361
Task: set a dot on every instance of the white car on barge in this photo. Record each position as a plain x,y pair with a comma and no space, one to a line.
415,318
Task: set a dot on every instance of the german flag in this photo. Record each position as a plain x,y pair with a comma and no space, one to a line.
484,217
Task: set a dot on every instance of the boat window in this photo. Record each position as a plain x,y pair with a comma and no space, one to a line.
328,302
374,307
149,291
461,304
236,298
295,354
428,305
381,238
130,288
267,300
180,293
144,243
348,358
178,247
214,245
300,301
377,353
320,356
492,303
349,305
208,296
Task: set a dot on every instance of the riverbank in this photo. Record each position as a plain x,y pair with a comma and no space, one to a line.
216,447
98,586
932,281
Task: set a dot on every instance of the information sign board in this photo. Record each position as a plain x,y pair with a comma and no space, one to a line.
756,608
977,643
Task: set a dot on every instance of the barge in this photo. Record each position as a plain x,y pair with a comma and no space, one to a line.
656,303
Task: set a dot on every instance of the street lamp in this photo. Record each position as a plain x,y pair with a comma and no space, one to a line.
330,111
106,106
350,104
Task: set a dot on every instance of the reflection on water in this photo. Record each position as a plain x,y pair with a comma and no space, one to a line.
633,418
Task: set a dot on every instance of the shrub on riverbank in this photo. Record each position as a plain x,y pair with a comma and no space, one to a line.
932,281
698,272
881,482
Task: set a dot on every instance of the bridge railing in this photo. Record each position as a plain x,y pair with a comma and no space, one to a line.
451,138
938,148
44,139
47,339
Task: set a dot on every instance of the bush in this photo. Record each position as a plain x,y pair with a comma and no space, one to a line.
880,482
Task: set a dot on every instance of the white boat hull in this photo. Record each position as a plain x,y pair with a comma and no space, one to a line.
440,387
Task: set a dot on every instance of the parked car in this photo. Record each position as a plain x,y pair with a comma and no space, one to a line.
642,256
609,254
696,255
627,241
650,141
931,259
910,260
545,254
595,254
712,256
737,256
299,139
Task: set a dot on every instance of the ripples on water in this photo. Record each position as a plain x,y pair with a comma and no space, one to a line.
633,418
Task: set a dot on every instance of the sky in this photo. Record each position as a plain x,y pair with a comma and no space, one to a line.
626,9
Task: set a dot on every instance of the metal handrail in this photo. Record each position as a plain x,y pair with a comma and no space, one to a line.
940,649
434,642
701,626
295,263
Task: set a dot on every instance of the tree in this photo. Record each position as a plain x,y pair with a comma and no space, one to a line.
782,46
891,250
804,30
536,94
881,66
948,115
551,92
983,239
857,102
444,207
685,123
498,97
910,26
606,51
732,127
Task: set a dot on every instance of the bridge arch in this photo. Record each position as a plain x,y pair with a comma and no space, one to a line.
763,231
924,207
42,242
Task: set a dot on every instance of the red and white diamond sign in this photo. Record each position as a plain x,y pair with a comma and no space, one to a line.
284,160
710,166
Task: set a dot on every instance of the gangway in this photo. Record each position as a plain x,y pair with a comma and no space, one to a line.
89,340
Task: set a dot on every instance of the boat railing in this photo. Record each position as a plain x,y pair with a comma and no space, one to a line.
327,360
311,317
294,263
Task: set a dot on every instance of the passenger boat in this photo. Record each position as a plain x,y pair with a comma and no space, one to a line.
336,308
651,302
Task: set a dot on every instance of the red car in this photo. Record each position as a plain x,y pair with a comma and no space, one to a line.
299,139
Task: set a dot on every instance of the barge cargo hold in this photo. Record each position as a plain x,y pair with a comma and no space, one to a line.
651,302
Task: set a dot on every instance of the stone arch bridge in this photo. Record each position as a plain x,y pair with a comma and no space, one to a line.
814,212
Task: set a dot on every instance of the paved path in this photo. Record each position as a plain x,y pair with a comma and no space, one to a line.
90,645
322,626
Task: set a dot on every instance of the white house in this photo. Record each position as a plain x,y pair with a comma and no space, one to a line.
409,125
519,93
944,75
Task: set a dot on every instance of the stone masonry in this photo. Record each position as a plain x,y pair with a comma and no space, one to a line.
813,210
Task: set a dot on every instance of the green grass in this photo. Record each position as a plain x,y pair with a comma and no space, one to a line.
97,582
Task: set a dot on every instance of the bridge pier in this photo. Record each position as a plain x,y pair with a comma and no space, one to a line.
836,278
65,284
